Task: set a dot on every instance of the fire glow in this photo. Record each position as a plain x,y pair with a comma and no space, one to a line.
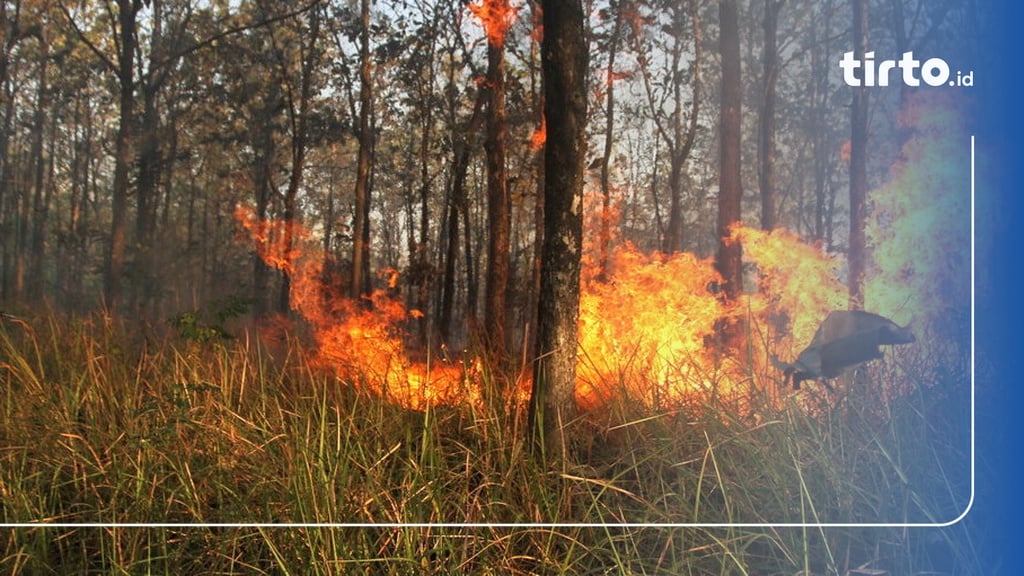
648,321
361,342
496,16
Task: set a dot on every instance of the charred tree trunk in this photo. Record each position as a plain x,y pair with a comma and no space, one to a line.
299,115
857,257
728,260
564,64
499,216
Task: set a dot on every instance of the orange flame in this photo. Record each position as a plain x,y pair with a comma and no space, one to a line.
798,283
362,344
645,329
646,320
497,16
540,135
642,331
269,237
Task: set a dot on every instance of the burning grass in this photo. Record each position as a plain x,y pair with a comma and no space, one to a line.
648,322
97,425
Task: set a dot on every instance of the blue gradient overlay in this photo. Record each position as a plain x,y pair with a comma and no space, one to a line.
995,519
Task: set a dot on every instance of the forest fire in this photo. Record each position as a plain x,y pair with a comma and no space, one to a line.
648,321
361,343
644,328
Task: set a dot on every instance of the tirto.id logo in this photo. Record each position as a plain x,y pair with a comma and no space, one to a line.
933,72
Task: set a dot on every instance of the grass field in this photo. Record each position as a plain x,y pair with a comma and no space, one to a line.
101,425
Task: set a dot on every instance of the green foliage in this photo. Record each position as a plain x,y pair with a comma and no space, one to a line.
205,325
227,434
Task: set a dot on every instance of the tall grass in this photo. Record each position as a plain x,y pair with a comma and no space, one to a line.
100,425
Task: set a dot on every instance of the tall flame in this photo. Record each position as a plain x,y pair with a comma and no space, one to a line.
642,329
798,283
497,16
646,328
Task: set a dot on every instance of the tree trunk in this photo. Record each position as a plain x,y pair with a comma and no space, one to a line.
537,160
679,138
149,164
422,276
359,288
564,64
74,251
300,112
766,121
41,178
262,177
13,33
728,261
149,159
604,234
499,215
678,150
123,154
457,209
856,257
821,144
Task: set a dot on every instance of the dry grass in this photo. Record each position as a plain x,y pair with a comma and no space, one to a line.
98,426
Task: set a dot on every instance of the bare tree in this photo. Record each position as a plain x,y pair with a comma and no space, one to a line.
299,109
679,129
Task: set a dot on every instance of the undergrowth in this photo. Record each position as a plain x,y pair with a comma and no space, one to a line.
104,435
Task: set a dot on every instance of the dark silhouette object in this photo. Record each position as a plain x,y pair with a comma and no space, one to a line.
846,338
